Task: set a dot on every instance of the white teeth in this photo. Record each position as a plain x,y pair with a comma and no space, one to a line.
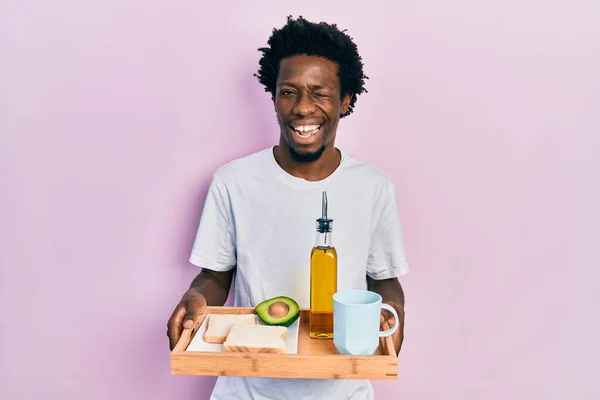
308,130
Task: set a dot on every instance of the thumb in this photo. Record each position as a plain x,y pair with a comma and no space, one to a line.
194,306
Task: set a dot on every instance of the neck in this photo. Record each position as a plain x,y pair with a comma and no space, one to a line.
311,171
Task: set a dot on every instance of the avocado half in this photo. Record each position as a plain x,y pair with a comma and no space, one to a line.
279,311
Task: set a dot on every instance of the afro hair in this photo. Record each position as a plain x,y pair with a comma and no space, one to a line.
300,36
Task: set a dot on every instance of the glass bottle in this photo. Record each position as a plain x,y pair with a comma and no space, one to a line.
323,278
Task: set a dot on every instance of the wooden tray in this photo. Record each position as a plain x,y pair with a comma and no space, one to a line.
316,358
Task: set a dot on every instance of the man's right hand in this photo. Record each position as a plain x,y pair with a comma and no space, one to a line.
184,316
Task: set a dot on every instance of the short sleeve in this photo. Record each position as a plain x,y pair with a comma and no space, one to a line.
214,245
387,258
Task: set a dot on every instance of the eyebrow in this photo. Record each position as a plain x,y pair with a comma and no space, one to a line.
286,83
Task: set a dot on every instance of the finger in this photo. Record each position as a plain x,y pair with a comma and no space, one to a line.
384,323
387,319
194,306
387,315
175,325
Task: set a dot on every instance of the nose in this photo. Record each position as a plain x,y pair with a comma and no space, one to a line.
304,105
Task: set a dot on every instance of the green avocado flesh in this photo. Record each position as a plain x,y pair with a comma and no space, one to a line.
279,311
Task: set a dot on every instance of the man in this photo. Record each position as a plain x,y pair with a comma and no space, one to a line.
258,221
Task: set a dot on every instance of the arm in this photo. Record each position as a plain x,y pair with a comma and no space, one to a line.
391,292
213,285
389,289
387,260
214,248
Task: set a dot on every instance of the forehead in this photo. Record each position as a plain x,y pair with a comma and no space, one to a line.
308,70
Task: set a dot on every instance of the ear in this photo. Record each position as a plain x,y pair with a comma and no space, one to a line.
346,103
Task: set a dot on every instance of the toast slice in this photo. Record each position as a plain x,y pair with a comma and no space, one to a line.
218,325
256,339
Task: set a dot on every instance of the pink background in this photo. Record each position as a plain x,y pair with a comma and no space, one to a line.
114,114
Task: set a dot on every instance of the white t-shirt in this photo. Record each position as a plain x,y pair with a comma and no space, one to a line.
263,220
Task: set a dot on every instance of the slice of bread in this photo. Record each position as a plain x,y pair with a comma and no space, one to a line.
256,339
218,325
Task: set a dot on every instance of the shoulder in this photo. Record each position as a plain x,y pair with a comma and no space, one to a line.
240,169
368,175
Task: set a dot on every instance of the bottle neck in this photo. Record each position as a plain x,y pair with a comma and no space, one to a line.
324,240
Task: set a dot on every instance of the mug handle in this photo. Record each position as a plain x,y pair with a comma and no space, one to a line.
393,328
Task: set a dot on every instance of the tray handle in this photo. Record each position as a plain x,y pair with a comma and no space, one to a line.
387,343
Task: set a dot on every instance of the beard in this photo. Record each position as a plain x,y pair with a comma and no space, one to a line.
306,157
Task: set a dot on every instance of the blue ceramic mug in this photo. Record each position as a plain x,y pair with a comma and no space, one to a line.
356,321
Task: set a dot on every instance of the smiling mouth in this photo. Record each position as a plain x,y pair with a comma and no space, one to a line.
306,131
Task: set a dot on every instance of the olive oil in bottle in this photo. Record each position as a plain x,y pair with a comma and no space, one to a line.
323,278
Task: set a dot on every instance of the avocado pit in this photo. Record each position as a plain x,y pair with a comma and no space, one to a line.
278,309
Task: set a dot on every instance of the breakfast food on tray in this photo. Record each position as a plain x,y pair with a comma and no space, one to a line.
262,332
219,325
278,311
256,339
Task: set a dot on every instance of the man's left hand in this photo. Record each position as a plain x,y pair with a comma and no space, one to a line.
388,317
